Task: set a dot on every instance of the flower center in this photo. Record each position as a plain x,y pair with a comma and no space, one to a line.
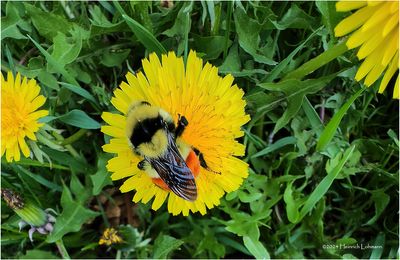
192,161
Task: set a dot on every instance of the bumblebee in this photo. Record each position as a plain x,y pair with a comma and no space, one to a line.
152,134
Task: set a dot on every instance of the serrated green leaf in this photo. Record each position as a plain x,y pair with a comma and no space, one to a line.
248,31
164,245
102,177
71,219
47,23
11,22
66,49
291,205
58,67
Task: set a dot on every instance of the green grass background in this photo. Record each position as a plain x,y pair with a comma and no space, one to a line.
313,187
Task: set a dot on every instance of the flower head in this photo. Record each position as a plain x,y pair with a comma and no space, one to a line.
376,26
110,236
215,112
19,118
38,219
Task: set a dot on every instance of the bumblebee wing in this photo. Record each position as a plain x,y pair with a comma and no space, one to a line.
174,172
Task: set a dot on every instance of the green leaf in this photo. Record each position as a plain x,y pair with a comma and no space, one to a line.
248,31
82,193
295,91
113,58
181,27
144,36
324,185
164,245
80,91
256,248
37,178
392,134
11,22
212,46
38,254
381,200
66,49
73,216
79,119
379,246
101,178
232,61
317,62
295,18
276,145
275,73
291,205
330,16
58,67
333,124
48,80
69,161
47,24
312,116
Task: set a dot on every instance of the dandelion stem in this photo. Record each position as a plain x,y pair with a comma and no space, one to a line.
61,248
318,61
69,147
75,137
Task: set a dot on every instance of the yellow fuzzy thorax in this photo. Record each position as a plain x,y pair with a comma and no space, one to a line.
157,147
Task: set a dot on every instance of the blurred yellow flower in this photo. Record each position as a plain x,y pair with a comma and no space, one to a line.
215,112
376,26
110,236
19,118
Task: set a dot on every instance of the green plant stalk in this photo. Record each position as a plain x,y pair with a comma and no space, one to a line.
75,137
318,61
61,248
69,147
228,28
29,162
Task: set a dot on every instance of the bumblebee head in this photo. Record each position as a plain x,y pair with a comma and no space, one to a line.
147,129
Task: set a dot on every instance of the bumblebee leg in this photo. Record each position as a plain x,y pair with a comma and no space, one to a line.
182,123
203,162
141,165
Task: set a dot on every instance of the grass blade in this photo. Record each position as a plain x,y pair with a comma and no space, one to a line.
277,145
143,35
37,178
324,185
330,129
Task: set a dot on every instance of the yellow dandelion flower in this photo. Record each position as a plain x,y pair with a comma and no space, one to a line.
110,236
215,112
376,26
20,100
